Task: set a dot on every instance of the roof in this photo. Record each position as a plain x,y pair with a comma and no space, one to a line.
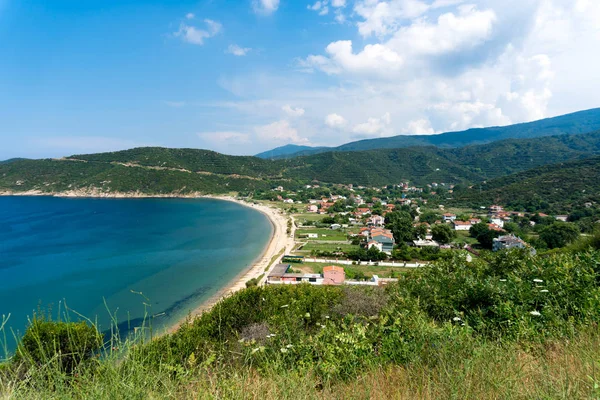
449,215
461,223
279,270
333,268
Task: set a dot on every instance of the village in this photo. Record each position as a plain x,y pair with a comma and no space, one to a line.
371,236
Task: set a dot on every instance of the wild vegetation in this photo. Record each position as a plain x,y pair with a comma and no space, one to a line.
511,325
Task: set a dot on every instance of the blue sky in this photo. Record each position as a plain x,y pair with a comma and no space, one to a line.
244,76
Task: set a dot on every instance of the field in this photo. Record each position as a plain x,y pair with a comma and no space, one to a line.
369,271
330,247
324,234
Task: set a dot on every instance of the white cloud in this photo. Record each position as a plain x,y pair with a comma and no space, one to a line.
373,58
190,16
280,132
419,127
383,17
373,126
193,35
265,7
237,50
335,121
293,112
338,3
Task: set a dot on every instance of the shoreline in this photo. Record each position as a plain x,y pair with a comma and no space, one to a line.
261,265
279,240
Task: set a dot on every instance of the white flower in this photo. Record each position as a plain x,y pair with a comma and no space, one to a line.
327,316
535,313
502,280
283,350
255,350
456,319
289,346
285,305
264,299
544,291
307,315
538,280
463,324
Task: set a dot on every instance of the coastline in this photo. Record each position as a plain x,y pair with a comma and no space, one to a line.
279,240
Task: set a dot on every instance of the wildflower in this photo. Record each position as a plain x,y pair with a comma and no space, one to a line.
307,315
538,281
289,346
456,319
327,316
544,291
535,313
241,340
260,348
463,324
285,306
502,280
264,299
283,350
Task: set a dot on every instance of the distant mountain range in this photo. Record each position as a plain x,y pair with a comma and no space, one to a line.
575,123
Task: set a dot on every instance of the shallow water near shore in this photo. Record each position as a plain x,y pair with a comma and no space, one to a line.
88,252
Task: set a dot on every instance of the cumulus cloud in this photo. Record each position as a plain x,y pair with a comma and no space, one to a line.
335,121
265,7
280,132
194,35
338,3
373,126
419,127
293,112
190,16
237,50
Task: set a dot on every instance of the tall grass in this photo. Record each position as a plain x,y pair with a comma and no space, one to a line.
512,327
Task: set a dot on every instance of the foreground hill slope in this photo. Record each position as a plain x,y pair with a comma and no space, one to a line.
575,123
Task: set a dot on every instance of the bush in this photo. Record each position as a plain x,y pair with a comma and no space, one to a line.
69,344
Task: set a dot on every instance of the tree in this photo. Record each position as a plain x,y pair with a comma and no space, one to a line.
443,233
420,231
401,225
559,234
484,235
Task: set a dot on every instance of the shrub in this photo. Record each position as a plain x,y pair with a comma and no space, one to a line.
69,344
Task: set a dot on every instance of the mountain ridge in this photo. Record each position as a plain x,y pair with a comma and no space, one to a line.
573,123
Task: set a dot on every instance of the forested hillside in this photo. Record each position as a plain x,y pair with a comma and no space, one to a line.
560,187
161,170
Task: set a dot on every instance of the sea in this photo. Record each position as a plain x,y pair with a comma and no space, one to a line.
119,261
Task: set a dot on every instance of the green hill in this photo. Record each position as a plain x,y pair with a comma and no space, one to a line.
560,187
575,123
163,171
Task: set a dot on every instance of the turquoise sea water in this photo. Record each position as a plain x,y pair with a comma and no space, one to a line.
85,252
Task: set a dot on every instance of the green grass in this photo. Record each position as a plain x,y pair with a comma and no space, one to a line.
330,234
331,247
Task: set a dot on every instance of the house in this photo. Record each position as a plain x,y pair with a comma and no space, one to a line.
333,275
494,227
406,202
562,218
498,221
383,236
335,226
363,211
376,220
313,235
508,242
288,201
364,232
475,221
496,208
279,189
461,226
377,245
312,208
449,217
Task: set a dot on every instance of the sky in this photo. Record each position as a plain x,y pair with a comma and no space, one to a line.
244,76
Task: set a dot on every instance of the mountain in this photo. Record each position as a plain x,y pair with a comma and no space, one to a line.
557,187
575,123
10,160
287,150
161,171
